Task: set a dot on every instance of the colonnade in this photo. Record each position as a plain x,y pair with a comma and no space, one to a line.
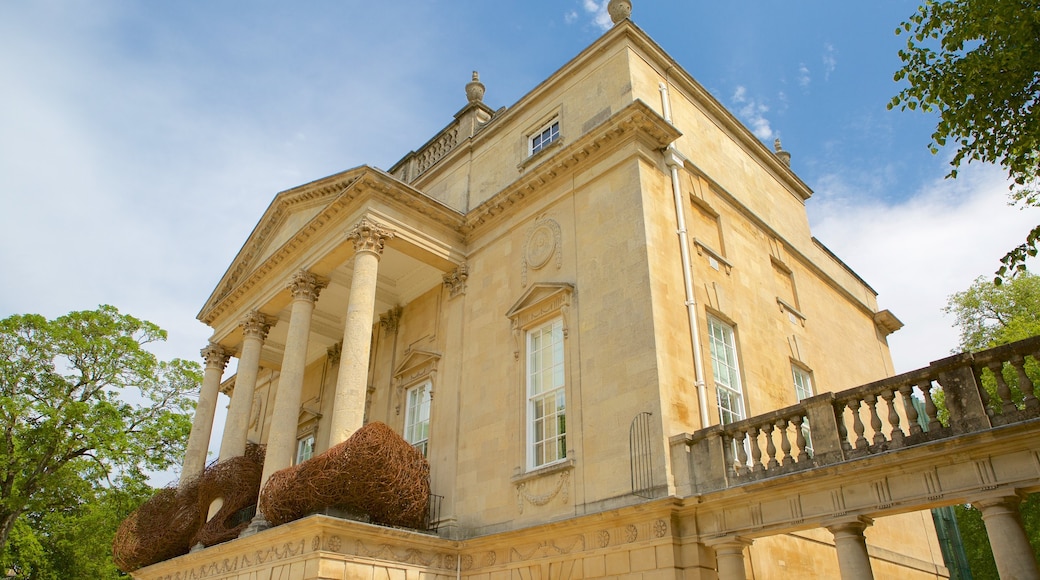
349,401
1007,537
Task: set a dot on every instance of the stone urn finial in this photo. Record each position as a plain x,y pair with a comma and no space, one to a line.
784,156
475,89
619,10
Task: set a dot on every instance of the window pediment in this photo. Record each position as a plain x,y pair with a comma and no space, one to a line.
539,302
417,364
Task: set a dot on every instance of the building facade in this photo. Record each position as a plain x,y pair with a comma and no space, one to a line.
539,298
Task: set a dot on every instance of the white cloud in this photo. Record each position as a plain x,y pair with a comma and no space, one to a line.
598,10
917,252
752,112
830,60
804,77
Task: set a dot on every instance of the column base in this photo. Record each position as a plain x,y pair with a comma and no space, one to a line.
257,525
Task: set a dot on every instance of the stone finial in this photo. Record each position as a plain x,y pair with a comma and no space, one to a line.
619,10
784,156
475,89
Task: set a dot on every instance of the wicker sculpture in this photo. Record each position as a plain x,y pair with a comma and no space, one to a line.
374,473
174,519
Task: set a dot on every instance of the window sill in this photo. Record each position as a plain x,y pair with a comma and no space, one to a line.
543,152
565,465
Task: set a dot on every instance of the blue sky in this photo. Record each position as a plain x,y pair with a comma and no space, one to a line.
141,141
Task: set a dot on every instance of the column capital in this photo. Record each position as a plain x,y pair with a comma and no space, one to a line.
216,356
369,236
853,524
306,286
729,543
256,324
334,352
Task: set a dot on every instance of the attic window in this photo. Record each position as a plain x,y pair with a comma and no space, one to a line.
543,137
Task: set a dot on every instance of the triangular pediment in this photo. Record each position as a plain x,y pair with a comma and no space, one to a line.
416,364
288,214
541,300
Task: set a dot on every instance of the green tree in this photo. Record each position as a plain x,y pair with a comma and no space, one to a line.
977,64
989,315
84,405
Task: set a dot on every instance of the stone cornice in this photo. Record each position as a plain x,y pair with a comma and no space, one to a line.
635,121
341,191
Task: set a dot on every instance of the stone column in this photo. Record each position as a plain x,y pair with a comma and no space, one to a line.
729,557
349,405
1007,537
216,358
254,329
285,417
852,548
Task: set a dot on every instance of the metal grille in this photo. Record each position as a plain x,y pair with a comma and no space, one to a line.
639,449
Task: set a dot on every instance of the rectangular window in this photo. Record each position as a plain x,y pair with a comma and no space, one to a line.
541,139
304,449
417,417
728,390
546,399
803,390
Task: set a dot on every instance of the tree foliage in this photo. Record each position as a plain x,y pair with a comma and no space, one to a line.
989,315
977,64
84,405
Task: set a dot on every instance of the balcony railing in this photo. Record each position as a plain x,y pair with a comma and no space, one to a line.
962,394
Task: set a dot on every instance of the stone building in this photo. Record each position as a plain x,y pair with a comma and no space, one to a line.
540,299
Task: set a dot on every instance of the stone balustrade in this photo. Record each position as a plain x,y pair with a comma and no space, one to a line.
961,394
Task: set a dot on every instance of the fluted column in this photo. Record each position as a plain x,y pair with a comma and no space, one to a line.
851,546
729,557
1007,537
216,358
236,429
281,442
349,407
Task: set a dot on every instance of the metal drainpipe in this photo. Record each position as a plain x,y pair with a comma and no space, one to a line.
674,160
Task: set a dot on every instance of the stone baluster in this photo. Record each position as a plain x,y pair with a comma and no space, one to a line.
1007,404
785,442
772,463
857,424
1024,384
930,410
907,391
799,438
843,431
897,434
742,458
756,451
875,419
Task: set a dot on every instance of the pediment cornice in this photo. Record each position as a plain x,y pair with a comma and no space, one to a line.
339,194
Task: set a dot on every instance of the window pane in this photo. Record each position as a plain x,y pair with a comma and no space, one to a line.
546,394
725,371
